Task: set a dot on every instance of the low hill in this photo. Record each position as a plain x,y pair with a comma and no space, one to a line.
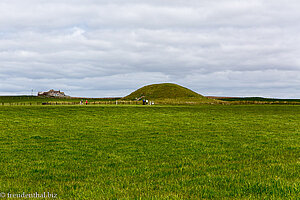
167,93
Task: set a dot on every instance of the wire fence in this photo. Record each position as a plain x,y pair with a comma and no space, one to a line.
71,103
141,103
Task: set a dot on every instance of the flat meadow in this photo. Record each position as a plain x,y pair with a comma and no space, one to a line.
151,152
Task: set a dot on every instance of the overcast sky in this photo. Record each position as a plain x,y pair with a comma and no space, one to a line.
103,48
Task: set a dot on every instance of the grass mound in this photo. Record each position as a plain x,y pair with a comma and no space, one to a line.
167,93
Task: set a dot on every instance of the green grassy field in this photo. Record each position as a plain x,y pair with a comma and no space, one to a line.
151,152
258,100
36,99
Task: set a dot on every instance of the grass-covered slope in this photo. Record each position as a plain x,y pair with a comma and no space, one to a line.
163,91
168,93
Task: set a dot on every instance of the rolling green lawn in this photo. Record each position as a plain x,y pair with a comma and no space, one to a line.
151,152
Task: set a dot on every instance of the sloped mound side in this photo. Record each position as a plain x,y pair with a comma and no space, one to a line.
163,91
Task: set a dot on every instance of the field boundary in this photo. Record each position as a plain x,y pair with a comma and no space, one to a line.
70,103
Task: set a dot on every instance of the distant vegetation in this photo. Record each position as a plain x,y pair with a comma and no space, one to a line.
39,100
256,100
165,93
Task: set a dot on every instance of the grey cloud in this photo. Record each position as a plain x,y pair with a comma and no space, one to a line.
108,48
